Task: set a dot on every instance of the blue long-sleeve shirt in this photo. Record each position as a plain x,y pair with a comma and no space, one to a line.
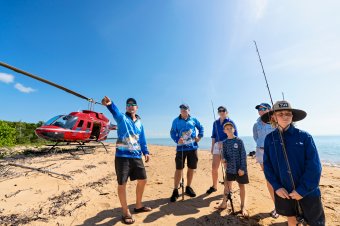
260,131
303,159
217,132
131,142
186,129
235,155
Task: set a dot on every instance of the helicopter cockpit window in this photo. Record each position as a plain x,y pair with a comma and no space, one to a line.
50,121
65,121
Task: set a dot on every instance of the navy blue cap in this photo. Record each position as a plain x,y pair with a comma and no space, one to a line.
131,101
265,105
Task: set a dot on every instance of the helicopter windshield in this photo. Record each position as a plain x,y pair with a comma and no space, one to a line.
63,121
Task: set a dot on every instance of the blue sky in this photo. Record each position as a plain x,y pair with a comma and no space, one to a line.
165,53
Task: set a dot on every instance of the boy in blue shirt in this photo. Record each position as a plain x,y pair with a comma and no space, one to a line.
183,133
294,170
130,146
235,158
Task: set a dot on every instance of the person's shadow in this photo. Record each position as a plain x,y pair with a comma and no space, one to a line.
220,218
179,208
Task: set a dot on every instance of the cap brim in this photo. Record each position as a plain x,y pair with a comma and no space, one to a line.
298,115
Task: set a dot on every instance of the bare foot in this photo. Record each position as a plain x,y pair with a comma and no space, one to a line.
244,212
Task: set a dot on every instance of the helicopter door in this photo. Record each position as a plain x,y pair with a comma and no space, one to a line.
95,130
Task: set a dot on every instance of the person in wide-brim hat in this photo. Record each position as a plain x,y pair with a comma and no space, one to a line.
284,106
292,166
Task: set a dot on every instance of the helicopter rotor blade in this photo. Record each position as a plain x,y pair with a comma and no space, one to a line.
47,82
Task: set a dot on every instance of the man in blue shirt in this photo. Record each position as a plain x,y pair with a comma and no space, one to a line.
183,133
294,170
260,131
130,146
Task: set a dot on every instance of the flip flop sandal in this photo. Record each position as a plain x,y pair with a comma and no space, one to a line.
274,214
142,209
220,208
128,220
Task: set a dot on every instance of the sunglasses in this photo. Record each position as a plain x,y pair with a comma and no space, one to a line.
131,105
221,111
262,109
288,114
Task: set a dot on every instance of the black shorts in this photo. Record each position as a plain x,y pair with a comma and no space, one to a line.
311,207
129,167
240,179
190,155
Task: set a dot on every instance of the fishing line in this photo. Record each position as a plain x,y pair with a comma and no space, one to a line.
229,195
299,218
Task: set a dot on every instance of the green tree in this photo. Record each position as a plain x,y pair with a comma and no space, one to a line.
7,134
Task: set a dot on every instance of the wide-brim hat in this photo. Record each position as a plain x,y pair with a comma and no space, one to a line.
284,106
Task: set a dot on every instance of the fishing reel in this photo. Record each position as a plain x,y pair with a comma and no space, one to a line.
300,220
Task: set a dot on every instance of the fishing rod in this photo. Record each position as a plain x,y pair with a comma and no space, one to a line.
229,194
181,184
300,219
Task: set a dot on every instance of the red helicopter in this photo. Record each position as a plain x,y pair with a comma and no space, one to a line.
76,127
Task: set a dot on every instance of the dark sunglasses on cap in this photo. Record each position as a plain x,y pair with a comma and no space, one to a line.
262,109
130,105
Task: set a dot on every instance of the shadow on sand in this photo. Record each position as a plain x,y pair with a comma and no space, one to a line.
162,207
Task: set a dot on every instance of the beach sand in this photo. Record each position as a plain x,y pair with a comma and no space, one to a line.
90,198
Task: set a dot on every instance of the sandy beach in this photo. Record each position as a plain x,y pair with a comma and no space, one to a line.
89,197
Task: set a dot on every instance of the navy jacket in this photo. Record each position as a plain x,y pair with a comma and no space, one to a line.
303,159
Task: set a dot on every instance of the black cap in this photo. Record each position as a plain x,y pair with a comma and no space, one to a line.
131,100
222,108
184,106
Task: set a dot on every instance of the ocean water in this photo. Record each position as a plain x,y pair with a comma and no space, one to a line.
328,146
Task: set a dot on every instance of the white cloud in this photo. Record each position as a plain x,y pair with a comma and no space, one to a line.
6,78
23,89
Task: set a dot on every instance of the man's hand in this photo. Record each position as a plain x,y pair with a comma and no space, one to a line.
106,101
181,141
282,193
197,139
147,158
240,172
295,195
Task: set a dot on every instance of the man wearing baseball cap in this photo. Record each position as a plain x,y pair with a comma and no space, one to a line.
183,133
130,146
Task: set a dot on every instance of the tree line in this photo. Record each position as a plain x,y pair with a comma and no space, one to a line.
16,133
